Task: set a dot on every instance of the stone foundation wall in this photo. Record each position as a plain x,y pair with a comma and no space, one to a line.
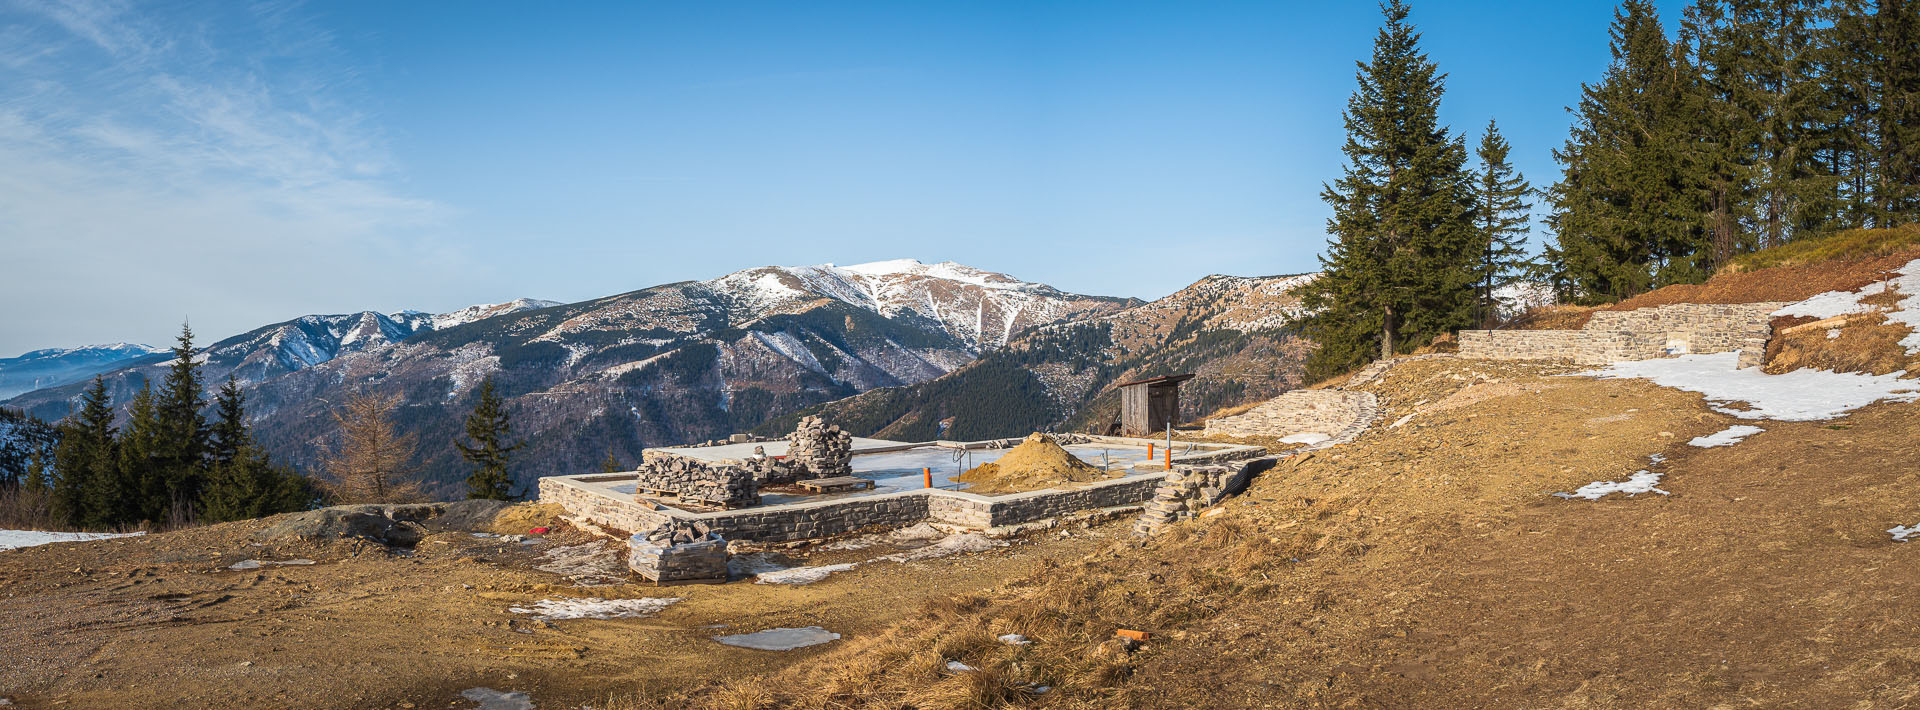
1521,344
624,515
1640,334
799,521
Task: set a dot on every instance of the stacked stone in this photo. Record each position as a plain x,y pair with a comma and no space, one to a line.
1181,494
690,479
817,449
678,552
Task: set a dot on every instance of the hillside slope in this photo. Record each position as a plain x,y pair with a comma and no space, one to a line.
1229,330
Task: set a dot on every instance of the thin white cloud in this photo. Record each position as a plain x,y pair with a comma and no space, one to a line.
219,149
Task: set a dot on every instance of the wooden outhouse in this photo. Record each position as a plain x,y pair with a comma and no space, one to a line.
1148,406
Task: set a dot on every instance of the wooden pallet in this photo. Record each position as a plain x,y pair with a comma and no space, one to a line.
837,483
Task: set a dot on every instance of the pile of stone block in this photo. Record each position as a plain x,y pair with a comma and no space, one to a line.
817,449
678,553
1184,492
697,481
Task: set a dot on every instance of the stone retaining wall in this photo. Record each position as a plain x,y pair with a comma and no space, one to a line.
1640,334
1329,412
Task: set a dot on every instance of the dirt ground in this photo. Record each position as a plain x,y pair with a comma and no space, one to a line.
160,621
1429,565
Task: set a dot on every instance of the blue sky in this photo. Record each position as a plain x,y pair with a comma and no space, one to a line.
241,164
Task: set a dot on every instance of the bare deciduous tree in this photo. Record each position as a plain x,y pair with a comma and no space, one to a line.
369,461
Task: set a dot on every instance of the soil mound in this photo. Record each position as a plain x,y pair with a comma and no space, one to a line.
1036,463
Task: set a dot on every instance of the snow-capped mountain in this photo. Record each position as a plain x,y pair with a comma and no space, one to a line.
980,308
53,367
669,364
306,341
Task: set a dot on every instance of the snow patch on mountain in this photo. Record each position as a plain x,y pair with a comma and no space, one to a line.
484,311
791,348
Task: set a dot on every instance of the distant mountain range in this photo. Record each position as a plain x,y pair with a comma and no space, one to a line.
58,366
670,364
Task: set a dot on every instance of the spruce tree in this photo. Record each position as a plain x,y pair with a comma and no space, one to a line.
144,465
179,457
1500,218
1399,268
86,459
228,434
37,480
1625,215
488,429
1896,145
612,464
242,480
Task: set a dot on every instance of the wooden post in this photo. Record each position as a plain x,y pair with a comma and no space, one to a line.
928,472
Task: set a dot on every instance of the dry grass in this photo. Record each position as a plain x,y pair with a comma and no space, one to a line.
1850,245
1863,343
520,518
1565,317
23,509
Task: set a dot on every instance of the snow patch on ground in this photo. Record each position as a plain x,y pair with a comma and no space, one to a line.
588,563
1305,437
10,539
1726,437
593,608
1902,532
1837,303
1640,482
755,564
780,639
256,564
955,545
1797,396
803,575
1826,305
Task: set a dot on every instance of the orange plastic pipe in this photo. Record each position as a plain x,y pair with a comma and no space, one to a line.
1149,451
1169,458
928,472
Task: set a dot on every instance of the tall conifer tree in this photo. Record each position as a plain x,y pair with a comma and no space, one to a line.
1399,267
1500,217
242,481
1896,78
86,458
488,429
143,473
181,437
1624,215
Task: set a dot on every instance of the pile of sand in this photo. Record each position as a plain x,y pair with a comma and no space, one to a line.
1036,463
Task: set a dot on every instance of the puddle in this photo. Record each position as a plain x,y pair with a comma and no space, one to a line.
780,639
490,699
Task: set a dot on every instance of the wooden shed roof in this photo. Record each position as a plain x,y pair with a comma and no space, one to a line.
1161,380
